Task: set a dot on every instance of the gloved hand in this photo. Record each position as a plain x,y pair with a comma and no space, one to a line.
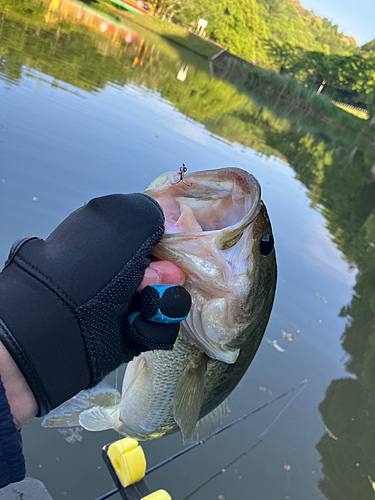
65,301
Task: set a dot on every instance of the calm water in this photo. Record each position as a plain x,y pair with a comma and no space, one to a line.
89,106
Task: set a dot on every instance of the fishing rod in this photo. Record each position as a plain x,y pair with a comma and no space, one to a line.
219,431
253,447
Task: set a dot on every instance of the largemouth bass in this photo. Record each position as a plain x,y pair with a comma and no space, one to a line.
218,232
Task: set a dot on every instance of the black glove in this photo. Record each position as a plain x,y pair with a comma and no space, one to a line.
64,302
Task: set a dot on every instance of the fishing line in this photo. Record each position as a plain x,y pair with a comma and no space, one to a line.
240,419
116,384
223,470
282,411
244,453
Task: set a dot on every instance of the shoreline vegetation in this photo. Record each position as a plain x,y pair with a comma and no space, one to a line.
289,90
284,87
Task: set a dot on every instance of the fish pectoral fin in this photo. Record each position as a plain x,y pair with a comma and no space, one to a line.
99,418
210,423
136,369
67,414
188,396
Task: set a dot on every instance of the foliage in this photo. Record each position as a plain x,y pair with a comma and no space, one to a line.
283,54
289,90
232,23
368,47
237,25
294,26
350,78
248,28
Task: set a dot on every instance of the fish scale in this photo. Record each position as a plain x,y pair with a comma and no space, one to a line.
162,377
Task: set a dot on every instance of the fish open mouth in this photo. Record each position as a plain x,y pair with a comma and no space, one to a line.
205,222
210,202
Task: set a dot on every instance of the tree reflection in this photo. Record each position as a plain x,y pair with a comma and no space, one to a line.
348,411
74,46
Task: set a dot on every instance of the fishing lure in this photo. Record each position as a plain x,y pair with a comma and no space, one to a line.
183,170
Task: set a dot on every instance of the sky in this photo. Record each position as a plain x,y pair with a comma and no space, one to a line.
355,18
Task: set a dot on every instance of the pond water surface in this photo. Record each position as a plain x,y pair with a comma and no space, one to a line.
90,106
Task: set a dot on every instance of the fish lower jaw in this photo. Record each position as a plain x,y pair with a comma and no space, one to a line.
204,337
226,356
212,349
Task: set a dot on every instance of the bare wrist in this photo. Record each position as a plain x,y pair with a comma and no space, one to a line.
22,402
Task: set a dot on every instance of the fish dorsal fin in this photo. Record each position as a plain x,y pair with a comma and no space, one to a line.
67,414
188,396
210,423
99,418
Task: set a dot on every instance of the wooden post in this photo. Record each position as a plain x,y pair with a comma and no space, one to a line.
321,87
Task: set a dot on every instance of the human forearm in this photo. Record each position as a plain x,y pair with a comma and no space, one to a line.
23,405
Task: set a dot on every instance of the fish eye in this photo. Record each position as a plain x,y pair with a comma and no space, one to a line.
266,244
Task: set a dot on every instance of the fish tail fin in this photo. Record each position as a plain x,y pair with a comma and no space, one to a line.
68,413
99,418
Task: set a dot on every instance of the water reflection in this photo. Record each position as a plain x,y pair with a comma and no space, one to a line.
69,11
78,47
349,406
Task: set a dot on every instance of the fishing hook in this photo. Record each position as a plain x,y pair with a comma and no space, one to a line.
183,171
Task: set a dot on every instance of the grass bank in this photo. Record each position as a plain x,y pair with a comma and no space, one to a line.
288,89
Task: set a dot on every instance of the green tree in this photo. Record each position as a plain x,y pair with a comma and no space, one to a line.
353,74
